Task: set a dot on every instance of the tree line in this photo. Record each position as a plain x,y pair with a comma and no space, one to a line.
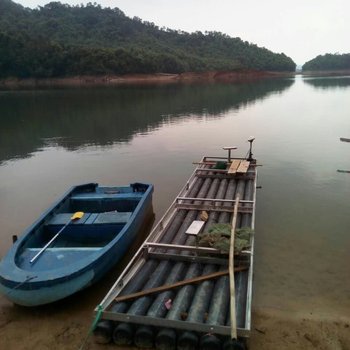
59,40
328,62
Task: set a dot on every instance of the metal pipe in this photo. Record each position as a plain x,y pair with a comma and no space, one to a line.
224,217
213,216
180,236
144,335
181,214
220,299
123,333
189,340
166,338
248,195
239,192
104,329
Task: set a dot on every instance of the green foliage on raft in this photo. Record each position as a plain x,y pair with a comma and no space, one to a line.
220,165
59,40
219,236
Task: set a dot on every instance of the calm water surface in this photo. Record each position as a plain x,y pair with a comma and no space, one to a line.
53,139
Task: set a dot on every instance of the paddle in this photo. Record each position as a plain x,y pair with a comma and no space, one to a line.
76,216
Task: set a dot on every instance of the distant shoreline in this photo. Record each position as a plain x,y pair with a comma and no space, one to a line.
327,72
156,78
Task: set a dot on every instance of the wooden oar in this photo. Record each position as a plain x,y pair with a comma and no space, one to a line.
76,216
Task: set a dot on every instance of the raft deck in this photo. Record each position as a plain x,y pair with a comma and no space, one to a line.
175,293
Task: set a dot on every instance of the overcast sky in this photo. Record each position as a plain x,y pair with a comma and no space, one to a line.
302,29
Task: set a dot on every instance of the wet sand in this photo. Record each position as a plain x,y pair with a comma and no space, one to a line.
65,325
274,329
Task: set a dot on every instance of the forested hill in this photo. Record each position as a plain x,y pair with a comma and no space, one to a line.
328,62
62,40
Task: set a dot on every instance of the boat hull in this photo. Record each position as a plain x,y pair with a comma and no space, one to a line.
33,290
45,295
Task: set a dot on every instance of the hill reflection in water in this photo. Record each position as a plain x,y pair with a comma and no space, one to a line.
75,118
326,83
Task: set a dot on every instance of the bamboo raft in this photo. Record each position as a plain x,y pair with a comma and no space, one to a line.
175,294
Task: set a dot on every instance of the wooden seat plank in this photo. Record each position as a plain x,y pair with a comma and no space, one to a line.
234,166
243,167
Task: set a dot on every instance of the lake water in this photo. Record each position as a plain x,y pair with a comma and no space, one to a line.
53,139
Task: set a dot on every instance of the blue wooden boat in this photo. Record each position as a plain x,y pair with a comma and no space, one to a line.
33,273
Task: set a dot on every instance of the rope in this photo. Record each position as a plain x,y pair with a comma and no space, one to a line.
93,325
29,278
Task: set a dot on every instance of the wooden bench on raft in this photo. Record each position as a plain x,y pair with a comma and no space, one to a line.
238,166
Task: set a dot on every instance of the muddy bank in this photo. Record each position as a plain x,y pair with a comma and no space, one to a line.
276,330
158,78
65,326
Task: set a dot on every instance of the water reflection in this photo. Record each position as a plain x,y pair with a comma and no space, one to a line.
72,118
327,82
302,260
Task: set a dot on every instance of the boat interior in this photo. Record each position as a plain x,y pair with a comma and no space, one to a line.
106,211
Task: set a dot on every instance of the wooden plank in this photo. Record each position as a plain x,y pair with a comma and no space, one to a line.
189,258
232,274
195,249
177,284
243,167
234,166
195,227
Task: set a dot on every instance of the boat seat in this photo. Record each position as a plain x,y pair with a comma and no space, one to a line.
62,219
59,257
105,196
68,249
113,217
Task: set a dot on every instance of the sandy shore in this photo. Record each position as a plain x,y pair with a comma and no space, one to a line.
280,330
64,325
